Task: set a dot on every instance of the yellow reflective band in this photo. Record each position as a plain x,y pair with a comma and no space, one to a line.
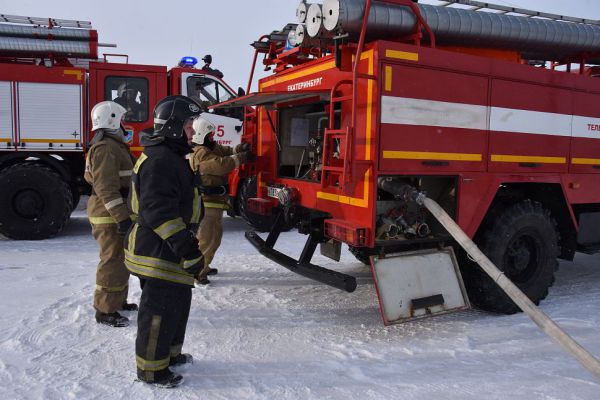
113,203
156,268
111,289
153,272
176,350
170,228
139,162
153,336
196,207
102,220
132,238
135,205
152,365
528,159
222,206
402,55
388,78
189,263
427,155
586,161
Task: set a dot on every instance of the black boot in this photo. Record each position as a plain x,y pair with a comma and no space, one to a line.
129,307
164,378
113,319
180,359
212,271
204,281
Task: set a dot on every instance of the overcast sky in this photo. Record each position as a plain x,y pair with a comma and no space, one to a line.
161,32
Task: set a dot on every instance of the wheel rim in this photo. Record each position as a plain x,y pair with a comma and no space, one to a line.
523,257
28,204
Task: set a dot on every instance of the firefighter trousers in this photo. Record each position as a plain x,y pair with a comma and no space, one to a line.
209,237
162,320
112,276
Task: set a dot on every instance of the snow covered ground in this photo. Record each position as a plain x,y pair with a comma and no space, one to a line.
261,332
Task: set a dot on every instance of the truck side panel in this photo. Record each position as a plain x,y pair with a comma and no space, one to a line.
50,115
531,131
6,114
585,145
433,121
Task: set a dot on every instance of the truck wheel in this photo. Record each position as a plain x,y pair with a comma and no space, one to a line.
262,223
35,202
522,240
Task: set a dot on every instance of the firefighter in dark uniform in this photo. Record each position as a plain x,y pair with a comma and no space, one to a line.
212,163
161,248
108,169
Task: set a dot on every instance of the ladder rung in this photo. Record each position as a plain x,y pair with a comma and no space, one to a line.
332,169
341,98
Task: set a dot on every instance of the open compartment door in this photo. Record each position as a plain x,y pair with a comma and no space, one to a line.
418,284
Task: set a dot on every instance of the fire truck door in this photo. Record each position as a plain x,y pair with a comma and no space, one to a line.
209,91
433,121
135,89
6,114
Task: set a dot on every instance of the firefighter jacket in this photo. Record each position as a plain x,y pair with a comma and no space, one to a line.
213,167
108,169
167,208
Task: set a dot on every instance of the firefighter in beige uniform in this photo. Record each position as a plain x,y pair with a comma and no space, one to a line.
212,163
108,169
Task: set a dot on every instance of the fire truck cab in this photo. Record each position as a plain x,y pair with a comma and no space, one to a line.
50,79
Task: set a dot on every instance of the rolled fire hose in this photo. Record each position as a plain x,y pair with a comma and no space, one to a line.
584,357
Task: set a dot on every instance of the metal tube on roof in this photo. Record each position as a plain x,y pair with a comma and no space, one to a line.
40,32
12,46
555,40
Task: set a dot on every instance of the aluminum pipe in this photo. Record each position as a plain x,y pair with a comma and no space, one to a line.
553,39
12,46
44,32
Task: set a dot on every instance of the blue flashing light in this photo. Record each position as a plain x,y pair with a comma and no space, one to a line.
188,61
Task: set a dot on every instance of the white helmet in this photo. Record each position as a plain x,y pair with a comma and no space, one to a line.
107,115
202,128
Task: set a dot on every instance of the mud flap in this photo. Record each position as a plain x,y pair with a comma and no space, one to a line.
418,284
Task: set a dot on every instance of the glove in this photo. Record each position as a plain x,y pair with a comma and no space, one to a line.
123,226
183,243
193,263
250,156
242,147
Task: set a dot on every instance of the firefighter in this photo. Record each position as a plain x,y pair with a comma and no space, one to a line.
212,163
108,169
161,248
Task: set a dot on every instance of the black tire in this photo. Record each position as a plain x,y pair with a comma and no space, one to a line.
35,202
522,240
248,190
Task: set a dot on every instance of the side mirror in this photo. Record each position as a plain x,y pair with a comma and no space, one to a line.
241,92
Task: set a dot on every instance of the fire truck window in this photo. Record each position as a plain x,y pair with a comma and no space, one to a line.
131,93
208,90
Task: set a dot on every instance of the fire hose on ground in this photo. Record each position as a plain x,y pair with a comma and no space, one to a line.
549,327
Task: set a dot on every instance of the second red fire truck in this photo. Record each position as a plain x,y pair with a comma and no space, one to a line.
466,105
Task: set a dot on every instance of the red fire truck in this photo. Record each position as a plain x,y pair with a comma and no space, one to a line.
484,120
50,78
